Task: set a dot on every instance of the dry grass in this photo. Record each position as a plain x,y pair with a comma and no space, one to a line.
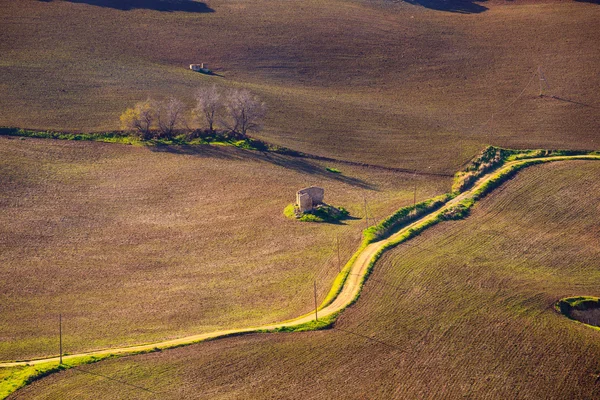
134,244
465,310
378,81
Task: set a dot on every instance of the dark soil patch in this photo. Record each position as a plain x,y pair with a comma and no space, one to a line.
582,309
590,317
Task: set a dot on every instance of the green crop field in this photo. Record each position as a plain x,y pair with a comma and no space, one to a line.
463,310
385,82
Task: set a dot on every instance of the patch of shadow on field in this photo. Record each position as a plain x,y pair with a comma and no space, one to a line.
305,166
298,164
589,1
190,6
455,6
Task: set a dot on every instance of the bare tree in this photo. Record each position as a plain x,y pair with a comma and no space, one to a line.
208,105
246,112
142,117
170,116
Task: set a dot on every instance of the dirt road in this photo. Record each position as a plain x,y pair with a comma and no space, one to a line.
350,290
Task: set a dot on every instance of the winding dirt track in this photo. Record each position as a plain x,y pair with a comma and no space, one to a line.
346,296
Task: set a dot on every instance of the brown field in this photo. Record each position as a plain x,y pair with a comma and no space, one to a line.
386,82
464,310
137,244
133,244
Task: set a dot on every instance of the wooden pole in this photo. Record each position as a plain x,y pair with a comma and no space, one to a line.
415,193
541,78
366,215
337,239
316,316
60,338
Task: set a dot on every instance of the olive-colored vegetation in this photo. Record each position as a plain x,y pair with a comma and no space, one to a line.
367,80
187,138
321,213
135,244
465,309
584,309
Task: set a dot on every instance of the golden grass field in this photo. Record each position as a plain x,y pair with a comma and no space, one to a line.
385,82
133,244
464,310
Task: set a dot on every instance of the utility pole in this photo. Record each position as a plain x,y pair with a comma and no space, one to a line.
366,214
541,79
60,338
337,239
460,153
316,316
415,193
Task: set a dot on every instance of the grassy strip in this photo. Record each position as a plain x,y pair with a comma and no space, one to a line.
403,216
109,137
314,325
127,138
539,153
503,175
17,377
500,177
494,157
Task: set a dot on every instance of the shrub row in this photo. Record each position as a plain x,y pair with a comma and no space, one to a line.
404,216
490,158
195,137
114,135
526,154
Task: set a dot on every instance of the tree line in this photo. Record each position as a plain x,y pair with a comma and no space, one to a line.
232,113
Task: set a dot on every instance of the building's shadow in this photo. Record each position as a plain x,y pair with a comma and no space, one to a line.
456,6
190,6
298,164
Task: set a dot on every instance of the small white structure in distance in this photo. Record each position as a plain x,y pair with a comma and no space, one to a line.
200,68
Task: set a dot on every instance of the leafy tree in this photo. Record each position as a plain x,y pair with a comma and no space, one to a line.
142,117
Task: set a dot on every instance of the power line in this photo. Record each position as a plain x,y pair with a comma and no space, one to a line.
369,338
543,81
113,379
502,111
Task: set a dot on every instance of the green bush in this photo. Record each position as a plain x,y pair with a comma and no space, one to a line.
491,157
322,213
404,216
459,211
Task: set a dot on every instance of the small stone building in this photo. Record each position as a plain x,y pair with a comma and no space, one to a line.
200,68
308,198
